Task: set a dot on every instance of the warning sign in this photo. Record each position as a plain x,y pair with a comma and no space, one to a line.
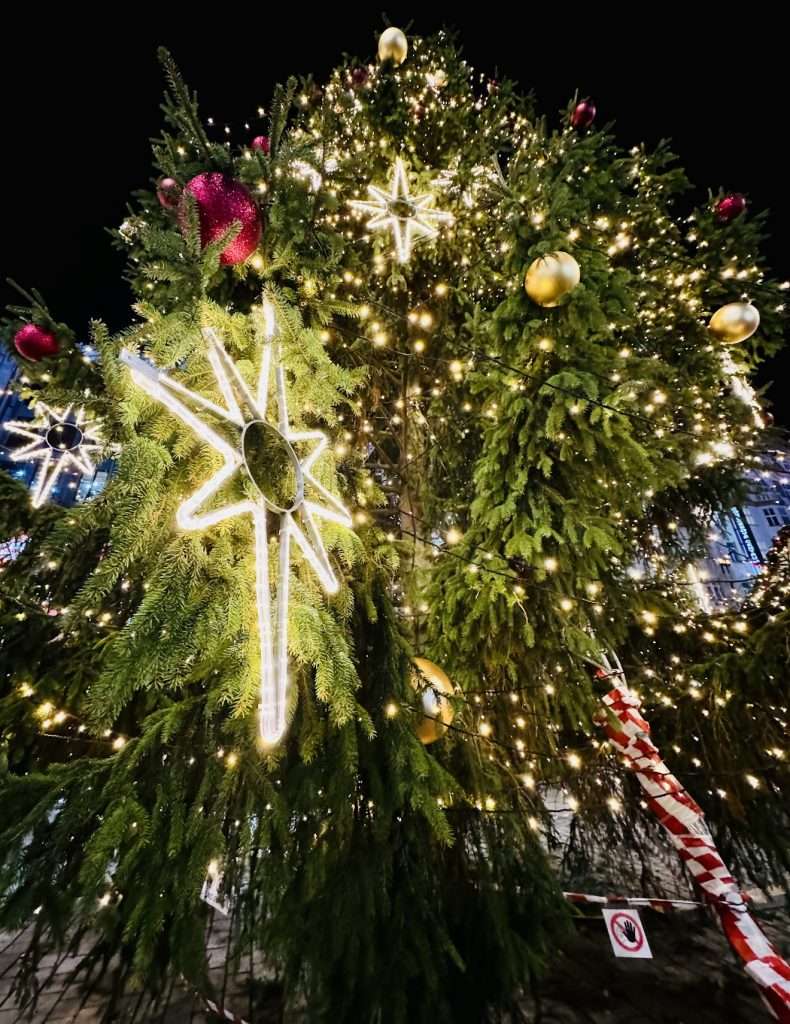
626,933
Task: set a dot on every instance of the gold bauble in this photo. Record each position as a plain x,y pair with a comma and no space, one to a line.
550,277
734,322
433,688
393,46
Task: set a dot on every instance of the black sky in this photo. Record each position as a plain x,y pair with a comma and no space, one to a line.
80,107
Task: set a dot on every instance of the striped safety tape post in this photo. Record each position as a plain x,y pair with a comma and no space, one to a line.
683,820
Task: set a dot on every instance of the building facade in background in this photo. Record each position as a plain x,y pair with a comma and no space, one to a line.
739,543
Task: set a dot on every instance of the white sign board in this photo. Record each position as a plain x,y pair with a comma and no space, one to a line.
211,891
626,933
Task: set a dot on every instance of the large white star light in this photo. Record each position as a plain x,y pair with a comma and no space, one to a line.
408,217
263,452
61,440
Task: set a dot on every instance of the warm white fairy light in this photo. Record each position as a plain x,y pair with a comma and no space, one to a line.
243,410
61,439
409,217
741,388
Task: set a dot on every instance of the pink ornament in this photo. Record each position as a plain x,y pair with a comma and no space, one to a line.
167,193
583,114
730,207
261,143
34,343
221,202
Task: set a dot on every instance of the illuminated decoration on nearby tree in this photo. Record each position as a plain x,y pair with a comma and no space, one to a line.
741,388
262,451
61,439
409,217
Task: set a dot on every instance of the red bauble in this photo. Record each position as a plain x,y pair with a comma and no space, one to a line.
359,76
261,143
221,202
730,207
583,114
34,343
167,193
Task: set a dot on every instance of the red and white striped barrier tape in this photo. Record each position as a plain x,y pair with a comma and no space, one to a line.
220,1011
632,901
684,822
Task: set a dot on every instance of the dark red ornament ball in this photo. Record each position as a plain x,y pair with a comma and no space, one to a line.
221,201
359,76
34,343
583,114
768,419
261,143
167,192
730,207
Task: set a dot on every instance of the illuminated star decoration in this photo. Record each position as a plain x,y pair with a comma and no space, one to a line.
245,413
408,217
61,439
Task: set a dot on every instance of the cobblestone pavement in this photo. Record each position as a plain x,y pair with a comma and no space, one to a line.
693,979
65,1001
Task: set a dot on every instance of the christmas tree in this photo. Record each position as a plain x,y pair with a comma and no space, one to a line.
416,374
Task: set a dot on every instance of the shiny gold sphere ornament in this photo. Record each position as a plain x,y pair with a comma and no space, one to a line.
734,322
393,46
433,688
550,277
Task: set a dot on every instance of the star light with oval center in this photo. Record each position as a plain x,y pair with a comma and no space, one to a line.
409,217
61,439
261,452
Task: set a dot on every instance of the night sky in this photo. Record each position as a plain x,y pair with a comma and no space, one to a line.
79,111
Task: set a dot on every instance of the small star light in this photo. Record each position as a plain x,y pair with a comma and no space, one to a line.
262,451
61,440
408,217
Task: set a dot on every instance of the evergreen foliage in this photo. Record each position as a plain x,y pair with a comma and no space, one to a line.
568,447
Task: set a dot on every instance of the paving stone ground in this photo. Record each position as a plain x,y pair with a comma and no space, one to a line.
66,1001
693,979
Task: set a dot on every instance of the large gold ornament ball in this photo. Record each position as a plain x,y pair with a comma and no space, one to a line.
734,322
551,277
433,688
393,46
